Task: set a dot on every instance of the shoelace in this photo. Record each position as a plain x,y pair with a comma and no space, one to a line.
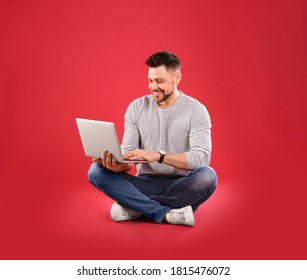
176,217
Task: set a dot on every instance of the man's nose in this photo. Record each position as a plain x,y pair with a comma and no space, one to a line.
153,86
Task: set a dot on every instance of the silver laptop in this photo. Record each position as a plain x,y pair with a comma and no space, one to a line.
98,136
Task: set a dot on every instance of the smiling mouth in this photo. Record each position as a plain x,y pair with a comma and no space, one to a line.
157,92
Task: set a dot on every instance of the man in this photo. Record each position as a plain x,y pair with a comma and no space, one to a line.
171,131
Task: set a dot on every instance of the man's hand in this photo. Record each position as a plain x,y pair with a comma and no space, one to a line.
137,154
111,164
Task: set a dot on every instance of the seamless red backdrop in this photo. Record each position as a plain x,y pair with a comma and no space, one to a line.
245,60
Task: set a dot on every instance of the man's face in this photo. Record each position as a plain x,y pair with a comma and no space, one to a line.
162,82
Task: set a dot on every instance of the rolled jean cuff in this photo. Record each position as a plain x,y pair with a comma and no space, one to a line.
160,216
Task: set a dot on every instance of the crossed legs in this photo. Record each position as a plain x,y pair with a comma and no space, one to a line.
155,196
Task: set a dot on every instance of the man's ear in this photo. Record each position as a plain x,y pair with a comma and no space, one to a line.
177,77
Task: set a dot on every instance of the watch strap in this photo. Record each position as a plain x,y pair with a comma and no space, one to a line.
161,157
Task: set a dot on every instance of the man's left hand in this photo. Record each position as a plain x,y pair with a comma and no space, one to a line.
137,154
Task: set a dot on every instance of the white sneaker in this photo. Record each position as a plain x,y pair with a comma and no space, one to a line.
120,213
181,216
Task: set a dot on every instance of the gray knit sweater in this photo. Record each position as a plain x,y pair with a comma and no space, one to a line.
184,127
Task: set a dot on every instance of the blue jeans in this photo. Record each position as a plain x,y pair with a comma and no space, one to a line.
154,196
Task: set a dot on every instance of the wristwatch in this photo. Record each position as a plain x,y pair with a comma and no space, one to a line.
162,155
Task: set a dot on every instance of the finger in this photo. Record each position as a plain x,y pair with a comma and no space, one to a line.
127,155
109,159
104,158
98,160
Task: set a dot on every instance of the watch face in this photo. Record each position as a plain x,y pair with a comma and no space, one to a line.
162,152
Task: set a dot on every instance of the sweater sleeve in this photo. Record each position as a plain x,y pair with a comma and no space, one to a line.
131,135
199,139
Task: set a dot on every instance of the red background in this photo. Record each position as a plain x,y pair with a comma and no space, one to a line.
245,60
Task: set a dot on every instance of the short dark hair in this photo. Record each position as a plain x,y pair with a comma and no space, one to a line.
168,59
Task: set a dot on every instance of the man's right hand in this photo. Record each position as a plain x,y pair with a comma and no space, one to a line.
110,163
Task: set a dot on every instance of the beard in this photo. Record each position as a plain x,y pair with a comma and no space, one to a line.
160,95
